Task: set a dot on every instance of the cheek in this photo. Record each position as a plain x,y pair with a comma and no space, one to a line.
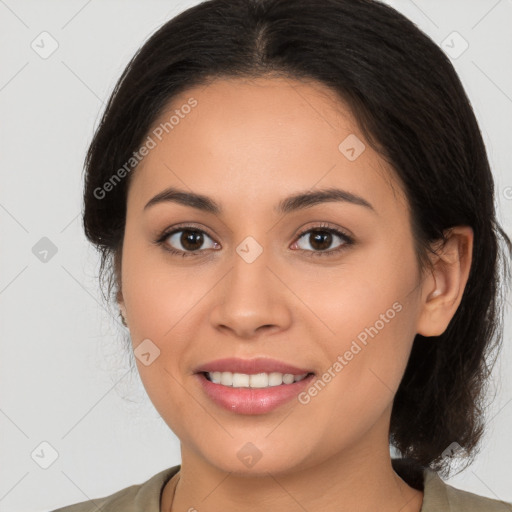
163,302
158,298
366,360
369,286
157,293
374,323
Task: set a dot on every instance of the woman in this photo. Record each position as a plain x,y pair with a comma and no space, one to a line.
296,217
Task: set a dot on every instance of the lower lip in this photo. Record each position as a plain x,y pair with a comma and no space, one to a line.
252,400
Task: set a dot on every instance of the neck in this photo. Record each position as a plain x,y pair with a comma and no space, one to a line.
338,484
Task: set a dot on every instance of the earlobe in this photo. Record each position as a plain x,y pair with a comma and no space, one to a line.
443,290
122,307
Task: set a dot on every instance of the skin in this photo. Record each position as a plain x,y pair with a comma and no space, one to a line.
248,144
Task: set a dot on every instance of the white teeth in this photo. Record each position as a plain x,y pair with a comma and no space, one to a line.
240,380
258,380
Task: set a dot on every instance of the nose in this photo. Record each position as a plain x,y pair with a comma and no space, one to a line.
250,299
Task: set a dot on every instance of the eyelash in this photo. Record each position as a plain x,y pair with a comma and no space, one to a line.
323,228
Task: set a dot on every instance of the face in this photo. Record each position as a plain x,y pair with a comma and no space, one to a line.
328,285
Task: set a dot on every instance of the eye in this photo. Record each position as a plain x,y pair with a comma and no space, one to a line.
320,238
189,241
185,241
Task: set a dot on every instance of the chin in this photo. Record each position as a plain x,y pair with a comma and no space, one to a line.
248,461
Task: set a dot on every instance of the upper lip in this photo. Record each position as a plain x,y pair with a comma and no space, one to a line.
250,366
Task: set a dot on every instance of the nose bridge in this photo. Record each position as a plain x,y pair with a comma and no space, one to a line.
249,278
250,297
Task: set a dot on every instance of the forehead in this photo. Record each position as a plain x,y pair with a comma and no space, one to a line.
260,138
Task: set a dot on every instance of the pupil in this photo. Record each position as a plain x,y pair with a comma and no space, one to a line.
187,240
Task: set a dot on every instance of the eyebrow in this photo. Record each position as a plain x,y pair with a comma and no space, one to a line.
289,204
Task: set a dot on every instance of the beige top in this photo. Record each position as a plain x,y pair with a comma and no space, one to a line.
438,497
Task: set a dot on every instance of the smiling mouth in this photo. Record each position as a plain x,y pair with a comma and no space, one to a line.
251,394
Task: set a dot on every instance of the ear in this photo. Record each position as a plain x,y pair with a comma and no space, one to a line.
442,290
120,301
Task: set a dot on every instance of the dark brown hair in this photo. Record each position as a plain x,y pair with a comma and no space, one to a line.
412,109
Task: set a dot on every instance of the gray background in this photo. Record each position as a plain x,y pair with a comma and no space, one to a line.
65,377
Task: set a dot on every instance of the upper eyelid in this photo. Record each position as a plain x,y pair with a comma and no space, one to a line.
176,229
327,227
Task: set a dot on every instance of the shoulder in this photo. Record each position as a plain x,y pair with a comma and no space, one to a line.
144,496
440,496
